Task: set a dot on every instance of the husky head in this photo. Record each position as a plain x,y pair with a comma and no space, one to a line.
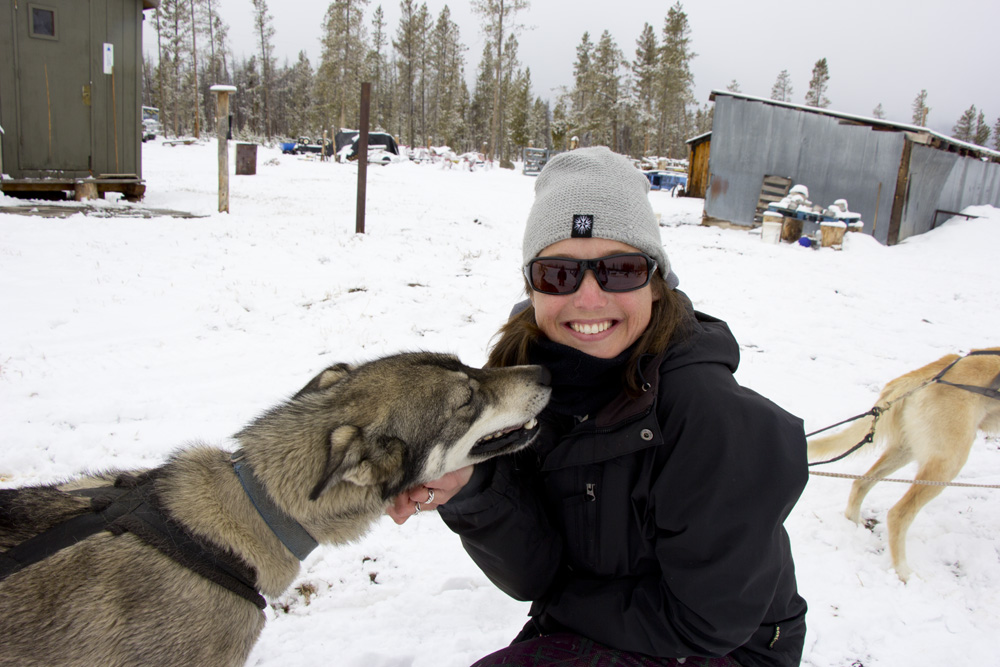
399,421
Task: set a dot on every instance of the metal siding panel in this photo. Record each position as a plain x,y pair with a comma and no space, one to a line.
116,127
930,170
8,98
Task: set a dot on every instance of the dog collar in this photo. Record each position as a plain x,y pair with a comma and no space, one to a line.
289,531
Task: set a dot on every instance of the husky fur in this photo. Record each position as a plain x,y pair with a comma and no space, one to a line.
925,421
332,458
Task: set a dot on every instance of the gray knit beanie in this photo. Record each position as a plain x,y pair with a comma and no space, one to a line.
592,192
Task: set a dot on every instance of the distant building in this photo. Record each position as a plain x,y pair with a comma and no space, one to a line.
70,95
903,179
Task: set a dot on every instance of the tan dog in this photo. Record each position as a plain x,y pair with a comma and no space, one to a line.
319,468
928,420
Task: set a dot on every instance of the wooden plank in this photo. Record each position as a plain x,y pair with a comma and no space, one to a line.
773,189
902,190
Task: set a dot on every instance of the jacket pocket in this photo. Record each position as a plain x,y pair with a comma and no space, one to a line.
582,532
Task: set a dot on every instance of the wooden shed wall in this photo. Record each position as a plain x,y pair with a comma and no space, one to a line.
698,168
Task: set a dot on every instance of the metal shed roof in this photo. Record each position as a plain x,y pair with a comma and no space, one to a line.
921,135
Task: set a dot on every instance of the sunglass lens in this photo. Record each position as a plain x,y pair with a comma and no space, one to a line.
622,273
555,276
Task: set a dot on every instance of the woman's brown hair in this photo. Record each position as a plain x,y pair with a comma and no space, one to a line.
669,317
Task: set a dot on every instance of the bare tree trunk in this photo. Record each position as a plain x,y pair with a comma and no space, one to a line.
495,120
197,93
159,65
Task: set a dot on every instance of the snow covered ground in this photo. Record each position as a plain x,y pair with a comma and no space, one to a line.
122,339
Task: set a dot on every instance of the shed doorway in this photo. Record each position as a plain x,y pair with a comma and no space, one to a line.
53,52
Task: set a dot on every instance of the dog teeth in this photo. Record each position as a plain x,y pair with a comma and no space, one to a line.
528,426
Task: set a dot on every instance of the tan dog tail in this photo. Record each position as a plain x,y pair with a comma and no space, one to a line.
827,447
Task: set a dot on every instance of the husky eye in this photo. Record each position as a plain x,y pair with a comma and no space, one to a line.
470,394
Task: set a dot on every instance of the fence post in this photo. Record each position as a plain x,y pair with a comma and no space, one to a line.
222,132
366,93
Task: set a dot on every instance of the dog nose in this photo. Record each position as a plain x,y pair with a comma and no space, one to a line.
544,376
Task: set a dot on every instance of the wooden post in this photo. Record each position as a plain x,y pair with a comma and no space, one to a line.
366,95
901,194
222,132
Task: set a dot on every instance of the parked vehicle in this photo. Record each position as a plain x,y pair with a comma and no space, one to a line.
307,145
150,123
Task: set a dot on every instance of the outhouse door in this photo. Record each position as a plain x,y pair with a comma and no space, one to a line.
53,53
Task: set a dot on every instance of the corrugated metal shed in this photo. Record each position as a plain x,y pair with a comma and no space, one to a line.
899,177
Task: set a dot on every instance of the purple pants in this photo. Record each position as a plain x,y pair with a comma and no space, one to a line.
569,650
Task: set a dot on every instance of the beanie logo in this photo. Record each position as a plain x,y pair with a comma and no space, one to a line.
583,227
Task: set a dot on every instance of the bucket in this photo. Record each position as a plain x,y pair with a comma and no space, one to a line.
770,231
832,234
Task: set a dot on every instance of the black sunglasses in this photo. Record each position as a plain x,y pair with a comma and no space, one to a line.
615,273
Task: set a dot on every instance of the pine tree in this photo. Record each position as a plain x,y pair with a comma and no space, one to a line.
603,116
510,70
481,107
818,85
210,23
560,125
519,102
644,75
782,88
408,53
878,112
541,124
342,65
675,84
218,31
499,24
981,135
264,34
447,68
920,109
424,81
300,86
965,127
174,32
734,86
582,79
376,66
996,135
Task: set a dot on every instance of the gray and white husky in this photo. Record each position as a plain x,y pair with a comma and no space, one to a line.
166,566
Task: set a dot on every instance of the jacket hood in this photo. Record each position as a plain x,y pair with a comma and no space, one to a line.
709,340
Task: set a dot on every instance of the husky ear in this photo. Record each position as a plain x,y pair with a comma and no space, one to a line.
327,378
352,458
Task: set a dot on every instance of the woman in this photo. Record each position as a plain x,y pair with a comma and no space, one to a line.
645,524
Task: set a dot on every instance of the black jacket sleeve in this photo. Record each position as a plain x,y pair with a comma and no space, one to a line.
504,528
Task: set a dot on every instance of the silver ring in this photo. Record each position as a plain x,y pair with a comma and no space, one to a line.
417,510
430,497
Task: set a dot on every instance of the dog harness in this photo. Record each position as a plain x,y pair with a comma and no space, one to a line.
990,391
132,505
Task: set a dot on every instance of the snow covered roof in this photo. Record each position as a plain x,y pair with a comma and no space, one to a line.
919,134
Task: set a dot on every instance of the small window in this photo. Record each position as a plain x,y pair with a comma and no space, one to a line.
43,22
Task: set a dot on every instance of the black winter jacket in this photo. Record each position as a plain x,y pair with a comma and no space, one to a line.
654,526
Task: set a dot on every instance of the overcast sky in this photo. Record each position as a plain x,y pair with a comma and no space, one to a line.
878,51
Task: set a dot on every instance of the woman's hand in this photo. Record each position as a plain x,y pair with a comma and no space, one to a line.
428,496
